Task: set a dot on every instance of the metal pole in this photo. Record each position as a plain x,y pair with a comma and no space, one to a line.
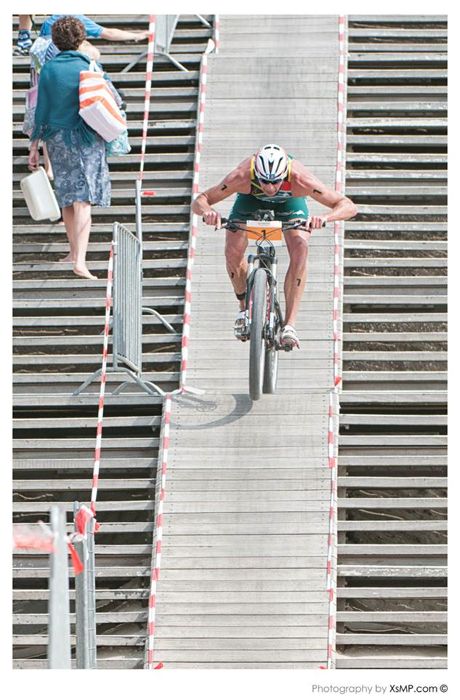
139,212
59,615
115,296
91,582
134,63
81,603
203,21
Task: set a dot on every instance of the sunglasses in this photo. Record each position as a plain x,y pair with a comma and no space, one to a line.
263,181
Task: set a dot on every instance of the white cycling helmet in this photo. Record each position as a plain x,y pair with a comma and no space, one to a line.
271,163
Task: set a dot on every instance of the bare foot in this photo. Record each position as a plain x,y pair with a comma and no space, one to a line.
84,272
68,259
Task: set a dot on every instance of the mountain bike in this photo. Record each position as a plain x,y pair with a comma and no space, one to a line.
264,319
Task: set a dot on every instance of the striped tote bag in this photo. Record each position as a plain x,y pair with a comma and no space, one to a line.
97,104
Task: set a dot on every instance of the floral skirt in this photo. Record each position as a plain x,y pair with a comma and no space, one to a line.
80,170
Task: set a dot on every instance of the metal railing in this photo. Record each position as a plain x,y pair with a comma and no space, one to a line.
165,26
80,544
59,653
127,310
127,300
85,595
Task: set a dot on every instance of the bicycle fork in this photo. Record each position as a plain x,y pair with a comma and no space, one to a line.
273,308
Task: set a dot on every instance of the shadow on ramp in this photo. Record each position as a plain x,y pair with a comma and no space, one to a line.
242,407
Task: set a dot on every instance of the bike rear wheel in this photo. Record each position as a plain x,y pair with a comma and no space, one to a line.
271,353
257,342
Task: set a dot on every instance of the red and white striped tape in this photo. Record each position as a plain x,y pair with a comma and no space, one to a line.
100,414
158,536
147,93
194,217
82,518
217,33
40,538
340,187
332,534
108,298
43,540
332,440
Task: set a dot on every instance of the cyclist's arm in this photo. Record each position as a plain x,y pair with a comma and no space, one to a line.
203,204
307,185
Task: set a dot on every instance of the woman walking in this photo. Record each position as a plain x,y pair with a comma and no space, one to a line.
77,153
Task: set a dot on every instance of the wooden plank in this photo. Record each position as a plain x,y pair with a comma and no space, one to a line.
241,644
392,525
392,639
109,594
394,592
392,662
391,616
394,571
392,482
378,419
226,657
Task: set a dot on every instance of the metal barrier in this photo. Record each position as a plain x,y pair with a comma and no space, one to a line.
58,544
127,300
127,312
165,26
85,595
54,540
59,601
128,309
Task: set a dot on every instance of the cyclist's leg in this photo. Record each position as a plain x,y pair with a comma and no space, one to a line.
236,243
296,276
235,247
297,245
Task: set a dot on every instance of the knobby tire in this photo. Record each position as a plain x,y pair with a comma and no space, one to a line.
257,342
270,371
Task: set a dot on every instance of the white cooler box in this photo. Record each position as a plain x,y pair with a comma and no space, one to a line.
40,198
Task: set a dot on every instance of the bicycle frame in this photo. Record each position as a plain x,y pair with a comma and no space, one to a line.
262,321
267,260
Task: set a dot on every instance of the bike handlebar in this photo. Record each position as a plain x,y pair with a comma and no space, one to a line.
285,227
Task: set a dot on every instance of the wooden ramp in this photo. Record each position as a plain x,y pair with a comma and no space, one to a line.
243,580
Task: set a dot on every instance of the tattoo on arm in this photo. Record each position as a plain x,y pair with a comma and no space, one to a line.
317,192
298,281
224,187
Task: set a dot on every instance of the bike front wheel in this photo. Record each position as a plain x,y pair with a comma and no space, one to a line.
270,371
258,315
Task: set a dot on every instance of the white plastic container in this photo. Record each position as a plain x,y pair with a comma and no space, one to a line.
40,198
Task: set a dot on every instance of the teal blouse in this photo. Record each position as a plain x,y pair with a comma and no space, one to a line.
58,101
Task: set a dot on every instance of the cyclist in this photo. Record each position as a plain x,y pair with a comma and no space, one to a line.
272,180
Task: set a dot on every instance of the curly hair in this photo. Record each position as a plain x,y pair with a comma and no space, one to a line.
68,33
